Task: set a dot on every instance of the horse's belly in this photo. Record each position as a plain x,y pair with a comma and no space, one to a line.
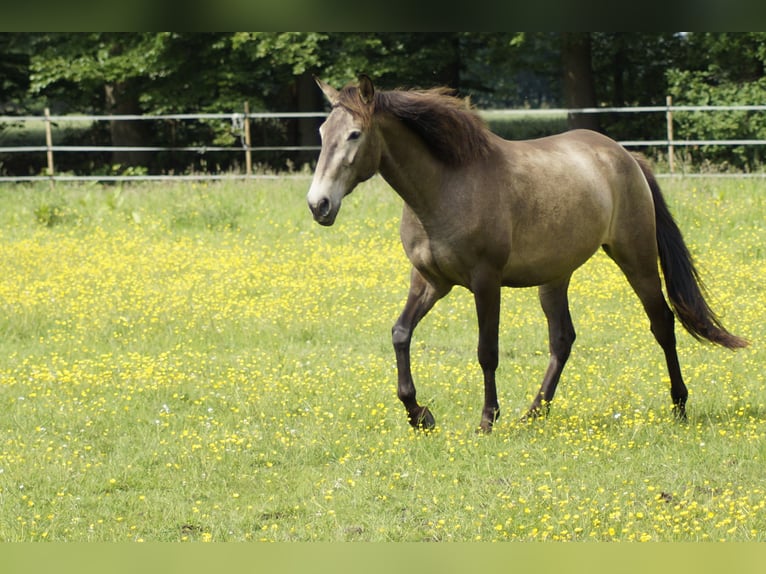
544,264
549,243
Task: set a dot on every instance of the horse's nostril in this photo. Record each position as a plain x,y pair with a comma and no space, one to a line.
323,207
323,211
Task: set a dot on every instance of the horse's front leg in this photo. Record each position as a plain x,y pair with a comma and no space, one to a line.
486,291
421,299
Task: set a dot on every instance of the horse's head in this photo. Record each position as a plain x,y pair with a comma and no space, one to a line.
350,148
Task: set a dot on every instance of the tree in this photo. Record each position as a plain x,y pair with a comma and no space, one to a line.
171,72
217,72
578,79
289,59
14,71
629,69
721,69
77,67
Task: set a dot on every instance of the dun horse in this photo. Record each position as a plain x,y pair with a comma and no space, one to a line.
483,212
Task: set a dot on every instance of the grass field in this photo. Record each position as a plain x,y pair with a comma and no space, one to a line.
202,362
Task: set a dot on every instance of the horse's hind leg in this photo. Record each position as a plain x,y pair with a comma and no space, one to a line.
421,299
561,336
645,280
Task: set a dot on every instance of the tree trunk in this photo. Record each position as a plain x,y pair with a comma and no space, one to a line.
308,98
579,85
450,73
619,65
121,100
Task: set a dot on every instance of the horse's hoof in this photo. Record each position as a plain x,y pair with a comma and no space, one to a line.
536,412
423,419
679,411
484,428
530,416
486,422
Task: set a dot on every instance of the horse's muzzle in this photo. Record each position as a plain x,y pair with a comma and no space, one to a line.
323,212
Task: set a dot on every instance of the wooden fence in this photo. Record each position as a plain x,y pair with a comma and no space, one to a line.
242,122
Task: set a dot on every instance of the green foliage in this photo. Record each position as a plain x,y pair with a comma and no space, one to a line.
94,58
728,71
295,52
14,64
695,89
217,72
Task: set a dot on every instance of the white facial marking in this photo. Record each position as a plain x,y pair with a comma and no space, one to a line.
334,176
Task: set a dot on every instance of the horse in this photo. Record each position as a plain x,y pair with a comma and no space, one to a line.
484,213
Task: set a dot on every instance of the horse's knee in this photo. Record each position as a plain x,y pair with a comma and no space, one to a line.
400,336
488,356
561,345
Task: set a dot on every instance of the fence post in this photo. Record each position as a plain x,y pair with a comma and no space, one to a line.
248,152
669,117
49,143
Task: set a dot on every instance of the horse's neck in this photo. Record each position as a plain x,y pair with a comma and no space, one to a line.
409,167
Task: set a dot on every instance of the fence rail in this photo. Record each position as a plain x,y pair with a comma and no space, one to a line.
241,123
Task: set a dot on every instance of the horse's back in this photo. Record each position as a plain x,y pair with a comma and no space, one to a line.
577,168
576,153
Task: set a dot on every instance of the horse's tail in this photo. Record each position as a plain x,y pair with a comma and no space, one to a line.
682,281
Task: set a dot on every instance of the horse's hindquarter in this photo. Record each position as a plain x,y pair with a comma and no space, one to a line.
559,201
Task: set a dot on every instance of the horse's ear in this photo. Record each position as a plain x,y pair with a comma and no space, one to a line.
330,93
366,89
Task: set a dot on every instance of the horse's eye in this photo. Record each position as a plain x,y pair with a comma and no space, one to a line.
355,135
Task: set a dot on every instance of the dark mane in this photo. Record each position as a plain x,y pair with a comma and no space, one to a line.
449,126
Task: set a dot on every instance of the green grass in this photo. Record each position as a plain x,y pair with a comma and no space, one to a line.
202,362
